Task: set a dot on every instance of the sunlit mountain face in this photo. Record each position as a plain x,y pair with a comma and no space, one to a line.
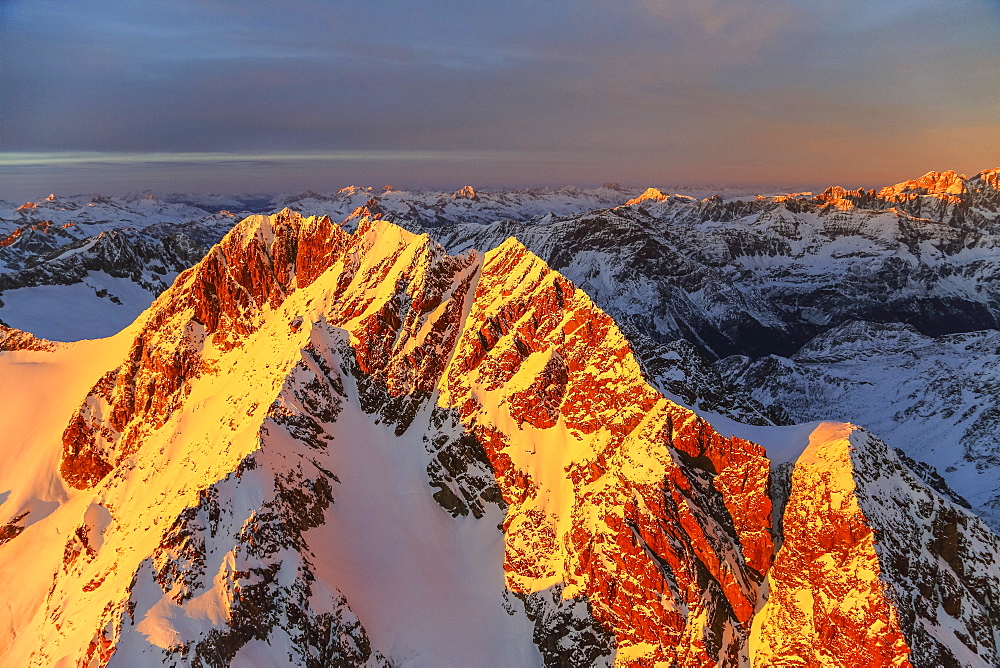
545,427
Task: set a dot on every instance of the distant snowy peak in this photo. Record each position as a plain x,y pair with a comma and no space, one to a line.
89,209
931,183
943,195
43,235
91,287
947,186
86,266
29,232
467,205
650,195
467,192
215,202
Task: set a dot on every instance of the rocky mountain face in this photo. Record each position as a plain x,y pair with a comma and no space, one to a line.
331,448
934,397
765,276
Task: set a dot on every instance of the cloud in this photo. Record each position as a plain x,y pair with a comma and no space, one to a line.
730,23
656,87
53,158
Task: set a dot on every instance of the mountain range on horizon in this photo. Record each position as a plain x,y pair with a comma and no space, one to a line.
559,427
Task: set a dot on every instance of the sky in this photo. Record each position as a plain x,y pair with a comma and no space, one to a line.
261,96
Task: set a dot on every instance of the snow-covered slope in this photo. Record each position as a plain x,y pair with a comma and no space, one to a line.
466,205
84,267
94,287
322,448
96,213
766,275
935,398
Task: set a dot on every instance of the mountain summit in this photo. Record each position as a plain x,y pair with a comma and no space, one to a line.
322,448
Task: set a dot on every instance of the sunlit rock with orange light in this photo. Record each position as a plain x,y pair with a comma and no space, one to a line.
843,199
612,491
332,448
940,196
939,184
875,568
827,603
15,339
650,195
466,192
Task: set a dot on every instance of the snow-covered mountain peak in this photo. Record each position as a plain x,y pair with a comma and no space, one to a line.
649,195
466,192
932,183
342,444
305,446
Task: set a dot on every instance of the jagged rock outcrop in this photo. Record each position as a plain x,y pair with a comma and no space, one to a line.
847,568
15,339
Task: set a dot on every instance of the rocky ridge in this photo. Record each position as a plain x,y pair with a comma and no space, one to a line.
368,379
764,276
429,209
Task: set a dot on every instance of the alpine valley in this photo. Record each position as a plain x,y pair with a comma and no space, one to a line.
556,427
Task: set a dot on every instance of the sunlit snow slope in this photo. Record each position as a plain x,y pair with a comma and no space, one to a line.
321,448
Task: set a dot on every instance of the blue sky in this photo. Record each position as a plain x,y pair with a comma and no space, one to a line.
203,94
